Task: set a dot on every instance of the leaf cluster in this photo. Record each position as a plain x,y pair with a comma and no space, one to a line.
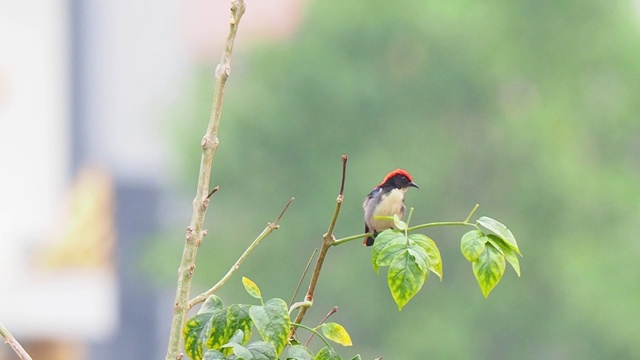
410,257
488,252
224,333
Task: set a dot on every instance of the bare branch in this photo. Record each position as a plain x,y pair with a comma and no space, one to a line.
267,230
195,233
15,345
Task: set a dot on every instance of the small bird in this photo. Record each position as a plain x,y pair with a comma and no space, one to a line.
386,199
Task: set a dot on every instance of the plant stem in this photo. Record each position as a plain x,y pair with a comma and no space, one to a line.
471,213
441,223
327,241
350,238
195,233
267,230
313,331
15,345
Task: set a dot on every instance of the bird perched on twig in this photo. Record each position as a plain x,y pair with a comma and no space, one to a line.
386,199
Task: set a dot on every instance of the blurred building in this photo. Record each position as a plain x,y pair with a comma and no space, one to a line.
84,89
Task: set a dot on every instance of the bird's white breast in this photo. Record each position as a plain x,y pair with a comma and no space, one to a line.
391,203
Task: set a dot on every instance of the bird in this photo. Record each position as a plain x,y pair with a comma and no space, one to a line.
386,199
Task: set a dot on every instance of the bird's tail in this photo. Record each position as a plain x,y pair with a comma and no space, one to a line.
369,241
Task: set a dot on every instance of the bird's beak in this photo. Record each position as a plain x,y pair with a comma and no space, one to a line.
412,184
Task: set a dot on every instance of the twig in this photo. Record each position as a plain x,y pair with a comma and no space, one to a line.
331,312
195,233
15,345
327,241
351,238
304,274
267,230
213,191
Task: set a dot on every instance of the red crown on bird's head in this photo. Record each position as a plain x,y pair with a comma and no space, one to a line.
396,172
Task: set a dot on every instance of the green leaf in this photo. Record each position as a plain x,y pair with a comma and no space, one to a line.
213,355
472,244
299,352
336,333
357,357
500,230
390,252
488,269
212,303
238,318
273,323
508,253
382,240
251,288
241,352
433,253
419,255
218,334
261,350
405,278
385,237
327,353
195,332
197,328
399,224
237,337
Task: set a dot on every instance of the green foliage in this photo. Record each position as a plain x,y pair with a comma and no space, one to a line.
411,257
488,269
216,332
488,252
272,321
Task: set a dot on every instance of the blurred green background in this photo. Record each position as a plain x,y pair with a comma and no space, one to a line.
529,108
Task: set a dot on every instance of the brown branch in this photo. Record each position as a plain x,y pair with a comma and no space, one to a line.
195,233
327,241
15,345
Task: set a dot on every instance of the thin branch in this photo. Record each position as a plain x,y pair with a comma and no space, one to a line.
283,210
267,230
213,191
350,238
327,241
441,223
15,345
331,312
304,274
195,233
